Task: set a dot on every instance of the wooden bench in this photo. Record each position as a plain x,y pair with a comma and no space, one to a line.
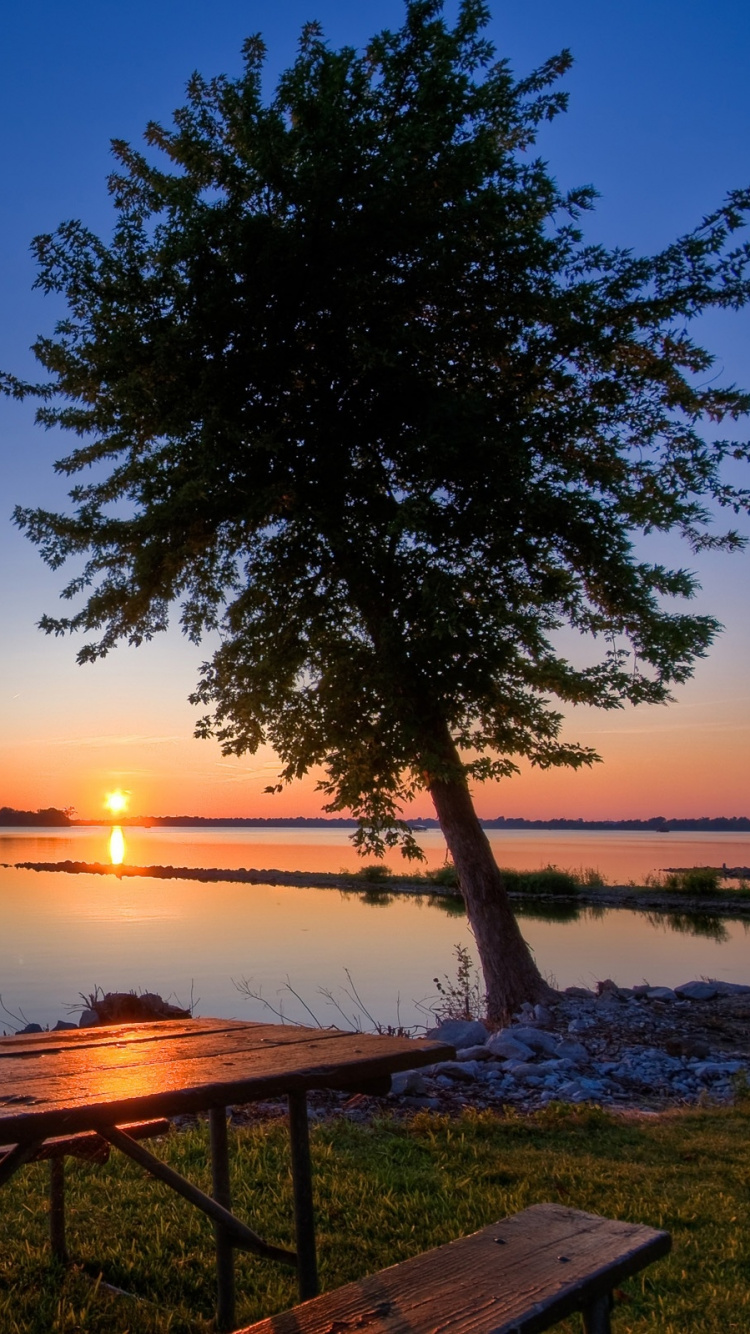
91,1148
519,1276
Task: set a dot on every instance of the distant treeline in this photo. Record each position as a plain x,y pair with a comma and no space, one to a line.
47,818
731,824
717,823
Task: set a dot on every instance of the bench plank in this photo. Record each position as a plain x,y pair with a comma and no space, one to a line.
519,1276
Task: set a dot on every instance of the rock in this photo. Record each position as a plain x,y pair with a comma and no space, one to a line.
571,1092
607,988
460,1032
729,988
641,990
542,1016
717,1069
504,1045
478,1053
62,1025
123,1007
88,1019
535,1038
579,993
572,1051
408,1081
661,994
521,1070
582,1023
31,1028
464,1072
697,991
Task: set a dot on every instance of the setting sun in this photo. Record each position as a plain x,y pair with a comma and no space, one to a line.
116,802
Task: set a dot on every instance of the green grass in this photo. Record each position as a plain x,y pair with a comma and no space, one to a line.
385,1192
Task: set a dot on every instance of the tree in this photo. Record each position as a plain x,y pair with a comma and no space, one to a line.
354,390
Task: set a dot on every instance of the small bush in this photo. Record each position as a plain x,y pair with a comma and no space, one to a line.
698,880
462,997
375,873
546,880
446,876
590,878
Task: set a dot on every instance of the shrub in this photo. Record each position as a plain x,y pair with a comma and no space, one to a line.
545,880
462,997
374,873
698,880
444,875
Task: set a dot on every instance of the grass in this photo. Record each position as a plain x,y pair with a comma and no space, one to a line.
384,1192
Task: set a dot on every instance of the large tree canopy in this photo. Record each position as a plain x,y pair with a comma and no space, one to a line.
352,388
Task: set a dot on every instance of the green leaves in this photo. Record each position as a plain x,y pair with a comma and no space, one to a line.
349,385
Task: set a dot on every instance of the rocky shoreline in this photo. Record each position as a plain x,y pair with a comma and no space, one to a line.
642,1047
632,1051
638,898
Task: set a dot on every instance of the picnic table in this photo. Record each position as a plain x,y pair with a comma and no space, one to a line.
64,1084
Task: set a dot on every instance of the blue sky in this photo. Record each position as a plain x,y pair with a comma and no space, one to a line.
659,122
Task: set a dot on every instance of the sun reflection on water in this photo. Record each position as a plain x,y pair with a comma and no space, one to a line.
116,846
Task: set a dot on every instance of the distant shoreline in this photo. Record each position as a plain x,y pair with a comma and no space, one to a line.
58,819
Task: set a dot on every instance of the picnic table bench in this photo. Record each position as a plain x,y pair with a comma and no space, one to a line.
519,1276
101,1080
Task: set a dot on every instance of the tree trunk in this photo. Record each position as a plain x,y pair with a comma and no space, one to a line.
510,974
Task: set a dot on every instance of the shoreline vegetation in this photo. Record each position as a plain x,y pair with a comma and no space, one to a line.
53,817
693,890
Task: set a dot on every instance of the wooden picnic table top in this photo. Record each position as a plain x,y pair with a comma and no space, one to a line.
83,1079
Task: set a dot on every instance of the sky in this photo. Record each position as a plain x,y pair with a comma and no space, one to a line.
659,122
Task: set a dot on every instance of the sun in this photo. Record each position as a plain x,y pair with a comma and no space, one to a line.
116,802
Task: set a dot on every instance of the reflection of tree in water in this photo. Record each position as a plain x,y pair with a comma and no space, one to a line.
548,912
545,911
377,898
451,904
691,924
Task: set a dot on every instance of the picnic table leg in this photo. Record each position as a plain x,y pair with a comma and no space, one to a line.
304,1218
222,1193
596,1316
57,1209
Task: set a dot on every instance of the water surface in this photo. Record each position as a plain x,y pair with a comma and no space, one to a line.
65,934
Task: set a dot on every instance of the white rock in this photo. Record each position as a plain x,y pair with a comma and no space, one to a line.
535,1038
697,991
459,1032
510,1048
542,1016
479,1052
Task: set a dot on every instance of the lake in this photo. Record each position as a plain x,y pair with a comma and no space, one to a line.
63,934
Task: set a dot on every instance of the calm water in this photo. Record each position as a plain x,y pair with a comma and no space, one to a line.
63,935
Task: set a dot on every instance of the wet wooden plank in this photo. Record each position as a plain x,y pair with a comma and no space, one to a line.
35,1044
66,1089
518,1276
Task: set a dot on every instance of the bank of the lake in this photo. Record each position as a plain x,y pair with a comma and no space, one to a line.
723,902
